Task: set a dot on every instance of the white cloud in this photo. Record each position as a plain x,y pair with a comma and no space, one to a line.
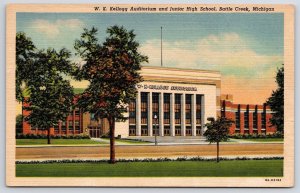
53,29
212,52
244,71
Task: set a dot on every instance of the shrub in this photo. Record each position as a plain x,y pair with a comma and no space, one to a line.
257,136
147,160
42,136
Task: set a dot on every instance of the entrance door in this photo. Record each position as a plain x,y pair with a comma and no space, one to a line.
94,132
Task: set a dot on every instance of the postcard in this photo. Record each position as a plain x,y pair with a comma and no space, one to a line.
150,95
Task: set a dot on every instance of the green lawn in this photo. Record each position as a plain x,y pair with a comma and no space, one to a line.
56,141
235,168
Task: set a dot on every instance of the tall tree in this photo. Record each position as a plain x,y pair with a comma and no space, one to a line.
276,102
25,52
217,131
44,73
112,70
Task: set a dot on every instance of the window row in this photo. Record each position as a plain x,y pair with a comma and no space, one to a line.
166,107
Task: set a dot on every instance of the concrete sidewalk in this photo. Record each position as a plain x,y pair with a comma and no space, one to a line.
149,141
153,158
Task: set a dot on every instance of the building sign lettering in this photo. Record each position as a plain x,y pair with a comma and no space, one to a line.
163,87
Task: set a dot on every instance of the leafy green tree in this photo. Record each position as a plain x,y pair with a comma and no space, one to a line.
44,73
217,131
276,102
112,70
25,52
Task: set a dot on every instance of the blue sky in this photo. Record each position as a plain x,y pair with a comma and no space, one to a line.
242,46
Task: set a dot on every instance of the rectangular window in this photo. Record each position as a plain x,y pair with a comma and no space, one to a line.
166,130
144,108
77,125
155,107
70,124
177,130
188,109
198,109
144,130
198,130
188,131
263,118
237,119
167,108
132,112
155,130
177,109
255,118
132,130
246,119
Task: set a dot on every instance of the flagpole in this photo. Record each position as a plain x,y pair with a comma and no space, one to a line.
161,57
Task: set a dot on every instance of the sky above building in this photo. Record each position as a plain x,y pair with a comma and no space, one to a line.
246,48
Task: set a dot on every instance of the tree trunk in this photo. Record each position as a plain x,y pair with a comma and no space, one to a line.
218,152
48,136
112,140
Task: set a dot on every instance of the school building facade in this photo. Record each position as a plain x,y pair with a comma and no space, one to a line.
171,102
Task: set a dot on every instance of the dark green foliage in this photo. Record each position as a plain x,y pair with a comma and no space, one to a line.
19,124
112,70
25,50
257,136
217,131
276,102
38,136
44,74
146,160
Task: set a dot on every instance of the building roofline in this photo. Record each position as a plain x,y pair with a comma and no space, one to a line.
180,69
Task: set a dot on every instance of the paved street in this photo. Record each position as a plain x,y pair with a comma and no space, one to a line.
147,151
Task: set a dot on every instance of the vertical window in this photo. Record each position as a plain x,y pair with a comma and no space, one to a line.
144,108
177,130
63,125
246,118
188,109
70,124
166,108
177,108
77,125
198,109
188,131
198,130
166,130
263,118
237,118
132,130
132,112
255,118
144,130
155,107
